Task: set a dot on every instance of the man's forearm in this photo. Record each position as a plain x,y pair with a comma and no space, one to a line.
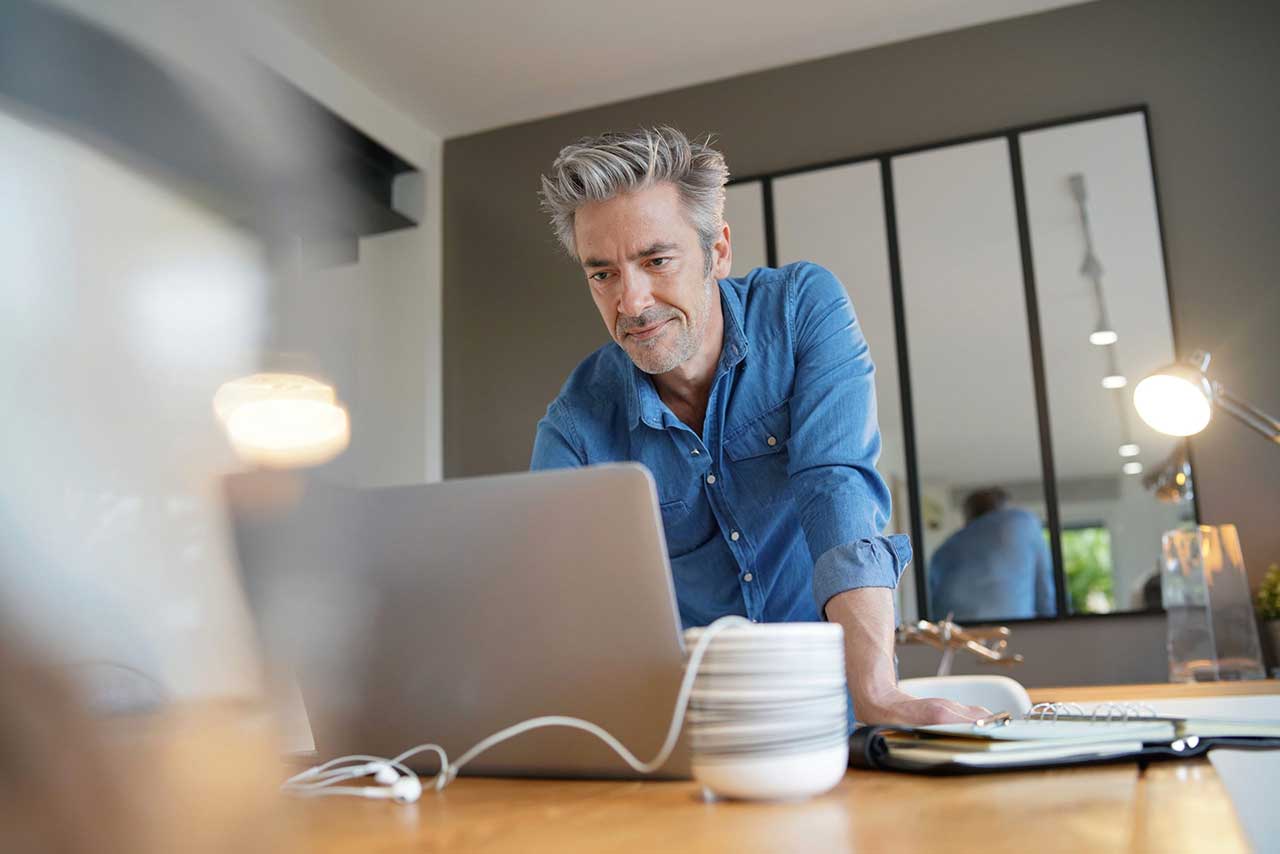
866,614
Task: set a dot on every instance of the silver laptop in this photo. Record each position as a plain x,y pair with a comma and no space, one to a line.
446,612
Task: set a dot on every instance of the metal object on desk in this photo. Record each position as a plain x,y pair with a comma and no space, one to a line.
989,644
997,720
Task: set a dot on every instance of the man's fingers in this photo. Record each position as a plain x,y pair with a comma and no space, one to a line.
949,712
939,711
906,710
968,712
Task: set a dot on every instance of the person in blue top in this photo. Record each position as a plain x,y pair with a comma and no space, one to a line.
751,400
996,567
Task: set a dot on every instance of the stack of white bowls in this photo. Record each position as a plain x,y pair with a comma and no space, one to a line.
767,716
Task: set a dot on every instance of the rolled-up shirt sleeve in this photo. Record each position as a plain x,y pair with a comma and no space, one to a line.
843,502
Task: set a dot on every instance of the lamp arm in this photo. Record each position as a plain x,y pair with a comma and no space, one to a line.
1247,413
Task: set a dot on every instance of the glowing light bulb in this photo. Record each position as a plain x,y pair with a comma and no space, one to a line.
289,433
1173,404
1133,467
1103,337
1129,449
1114,381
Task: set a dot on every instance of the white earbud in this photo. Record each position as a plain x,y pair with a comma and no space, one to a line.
406,790
384,773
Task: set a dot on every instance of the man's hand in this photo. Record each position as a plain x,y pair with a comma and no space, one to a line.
867,616
902,709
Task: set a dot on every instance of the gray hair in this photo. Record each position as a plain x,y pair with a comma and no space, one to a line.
595,169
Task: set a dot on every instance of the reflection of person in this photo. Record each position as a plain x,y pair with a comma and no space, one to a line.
996,567
751,400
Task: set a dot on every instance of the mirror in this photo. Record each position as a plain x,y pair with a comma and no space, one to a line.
836,217
1091,195
982,494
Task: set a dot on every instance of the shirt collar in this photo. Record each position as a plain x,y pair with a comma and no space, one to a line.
734,349
643,403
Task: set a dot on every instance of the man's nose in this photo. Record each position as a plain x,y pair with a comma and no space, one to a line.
636,295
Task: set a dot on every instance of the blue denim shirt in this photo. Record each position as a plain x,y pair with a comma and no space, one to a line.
777,506
995,568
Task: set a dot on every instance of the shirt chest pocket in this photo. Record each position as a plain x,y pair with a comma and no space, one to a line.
686,527
758,453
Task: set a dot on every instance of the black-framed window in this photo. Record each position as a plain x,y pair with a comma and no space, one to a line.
988,236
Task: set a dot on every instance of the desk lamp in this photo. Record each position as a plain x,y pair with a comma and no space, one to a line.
1178,400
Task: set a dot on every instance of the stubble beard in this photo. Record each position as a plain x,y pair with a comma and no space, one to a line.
672,347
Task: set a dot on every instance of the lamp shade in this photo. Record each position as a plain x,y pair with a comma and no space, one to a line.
1176,400
282,420
268,386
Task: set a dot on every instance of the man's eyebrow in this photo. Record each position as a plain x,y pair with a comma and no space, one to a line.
655,249
647,252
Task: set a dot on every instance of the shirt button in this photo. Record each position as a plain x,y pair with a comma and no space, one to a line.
772,440
711,478
695,452
747,577
734,536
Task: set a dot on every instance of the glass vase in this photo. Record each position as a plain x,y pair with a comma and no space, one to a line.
1212,634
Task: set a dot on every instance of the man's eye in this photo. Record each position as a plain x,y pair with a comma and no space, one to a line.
598,277
658,262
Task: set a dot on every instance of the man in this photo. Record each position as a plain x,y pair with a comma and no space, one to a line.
996,567
751,401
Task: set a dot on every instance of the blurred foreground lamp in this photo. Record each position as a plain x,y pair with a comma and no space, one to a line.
1179,400
282,420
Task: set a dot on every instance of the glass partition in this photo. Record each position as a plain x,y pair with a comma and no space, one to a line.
977,439
1105,323
836,218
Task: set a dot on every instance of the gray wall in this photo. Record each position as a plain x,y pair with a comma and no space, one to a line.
517,317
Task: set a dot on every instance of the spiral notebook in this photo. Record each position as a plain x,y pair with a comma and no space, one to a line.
1053,735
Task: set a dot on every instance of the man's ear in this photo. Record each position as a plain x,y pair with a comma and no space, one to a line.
722,254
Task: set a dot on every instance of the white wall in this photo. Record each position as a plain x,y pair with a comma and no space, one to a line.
391,360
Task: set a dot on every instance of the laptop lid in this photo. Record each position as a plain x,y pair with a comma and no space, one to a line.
445,612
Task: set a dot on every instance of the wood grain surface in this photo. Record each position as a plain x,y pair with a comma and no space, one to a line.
1157,691
1169,808
221,774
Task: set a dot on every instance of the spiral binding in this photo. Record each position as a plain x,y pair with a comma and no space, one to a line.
1102,713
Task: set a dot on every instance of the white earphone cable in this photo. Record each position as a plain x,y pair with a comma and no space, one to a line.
320,780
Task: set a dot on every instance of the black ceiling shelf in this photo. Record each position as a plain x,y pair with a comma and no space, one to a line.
317,178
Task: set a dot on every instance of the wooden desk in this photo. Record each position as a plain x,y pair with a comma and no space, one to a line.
1154,692
1172,807
219,785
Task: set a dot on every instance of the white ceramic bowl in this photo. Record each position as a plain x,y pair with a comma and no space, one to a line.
789,776
771,633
